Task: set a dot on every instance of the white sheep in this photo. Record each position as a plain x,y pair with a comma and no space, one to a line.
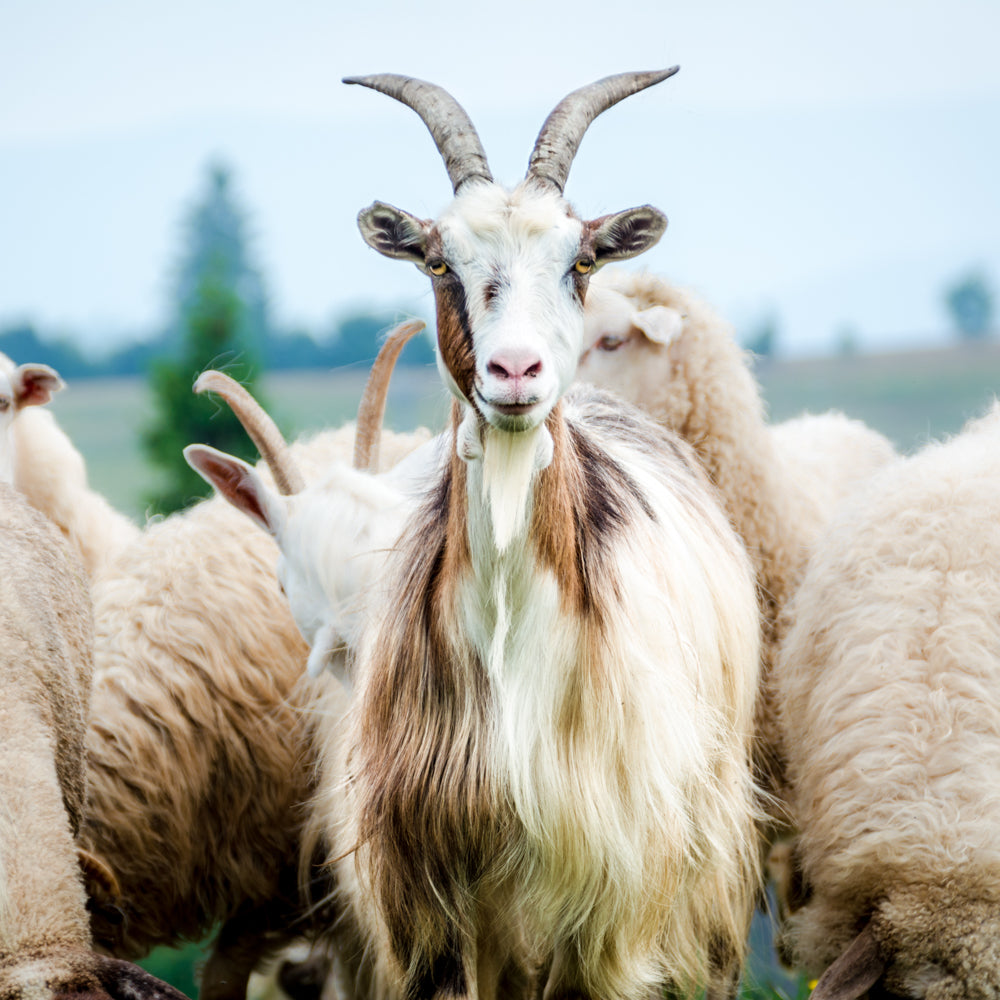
41,461
21,386
545,777
45,672
661,348
889,686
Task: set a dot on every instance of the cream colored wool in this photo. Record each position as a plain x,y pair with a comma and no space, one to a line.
889,683
199,748
779,484
45,674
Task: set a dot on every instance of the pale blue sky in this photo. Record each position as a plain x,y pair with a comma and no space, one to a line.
833,163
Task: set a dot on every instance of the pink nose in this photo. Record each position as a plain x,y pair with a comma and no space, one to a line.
513,365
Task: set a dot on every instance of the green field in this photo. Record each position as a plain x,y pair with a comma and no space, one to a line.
909,397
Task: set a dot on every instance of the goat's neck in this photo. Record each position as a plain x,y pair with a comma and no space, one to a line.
512,510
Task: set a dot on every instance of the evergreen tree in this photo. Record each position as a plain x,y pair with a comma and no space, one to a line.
219,322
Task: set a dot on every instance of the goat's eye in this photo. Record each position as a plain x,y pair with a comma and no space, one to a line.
437,267
610,342
4,404
584,265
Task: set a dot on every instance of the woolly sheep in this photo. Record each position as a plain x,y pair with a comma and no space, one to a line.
199,759
43,464
21,386
661,348
889,686
45,672
544,777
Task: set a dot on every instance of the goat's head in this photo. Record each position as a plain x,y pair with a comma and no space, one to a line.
510,268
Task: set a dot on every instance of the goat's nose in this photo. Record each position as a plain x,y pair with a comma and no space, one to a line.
514,364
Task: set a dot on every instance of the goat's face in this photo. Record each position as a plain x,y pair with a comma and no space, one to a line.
510,268
510,271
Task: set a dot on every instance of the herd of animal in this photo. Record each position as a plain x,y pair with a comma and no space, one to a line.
528,708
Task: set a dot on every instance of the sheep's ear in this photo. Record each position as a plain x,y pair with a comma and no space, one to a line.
626,234
125,981
393,232
34,385
240,484
659,323
856,971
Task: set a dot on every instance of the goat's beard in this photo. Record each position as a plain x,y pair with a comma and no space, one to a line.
510,463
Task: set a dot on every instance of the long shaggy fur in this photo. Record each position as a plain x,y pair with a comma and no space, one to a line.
889,681
545,769
780,483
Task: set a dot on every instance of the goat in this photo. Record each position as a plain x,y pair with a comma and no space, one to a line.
545,777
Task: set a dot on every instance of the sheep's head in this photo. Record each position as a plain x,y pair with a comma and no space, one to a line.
620,338
923,942
21,386
75,974
510,268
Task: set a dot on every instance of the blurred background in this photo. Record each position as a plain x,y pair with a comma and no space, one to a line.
179,185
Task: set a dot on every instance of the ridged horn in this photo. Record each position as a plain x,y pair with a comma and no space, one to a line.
449,125
564,129
260,428
371,409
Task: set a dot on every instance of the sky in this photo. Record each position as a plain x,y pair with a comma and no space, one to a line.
832,166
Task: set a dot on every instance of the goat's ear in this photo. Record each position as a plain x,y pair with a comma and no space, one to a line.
240,484
660,324
393,232
626,234
34,385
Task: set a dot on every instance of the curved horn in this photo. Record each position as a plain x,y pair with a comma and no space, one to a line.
260,428
563,130
371,409
449,125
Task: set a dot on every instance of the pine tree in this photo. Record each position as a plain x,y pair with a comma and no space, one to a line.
219,321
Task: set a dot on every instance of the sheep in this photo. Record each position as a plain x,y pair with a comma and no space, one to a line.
41,461
199,749
661,348
21,386
544,780
45,673
889,682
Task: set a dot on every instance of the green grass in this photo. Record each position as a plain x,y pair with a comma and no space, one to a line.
909,397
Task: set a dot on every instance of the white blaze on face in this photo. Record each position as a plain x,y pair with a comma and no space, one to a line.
514,253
